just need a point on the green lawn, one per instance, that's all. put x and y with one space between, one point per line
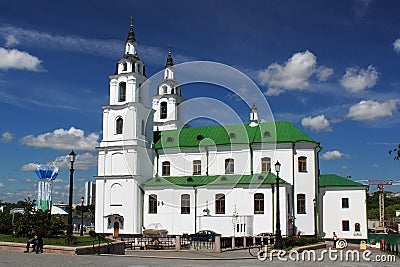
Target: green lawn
56 241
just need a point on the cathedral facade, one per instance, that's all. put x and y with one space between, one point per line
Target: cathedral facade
154 172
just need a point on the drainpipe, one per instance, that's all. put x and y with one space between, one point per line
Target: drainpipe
207 155
293 190
195 209
142 191
317 149
158 157
251 159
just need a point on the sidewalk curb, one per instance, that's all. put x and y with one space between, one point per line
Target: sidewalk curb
176 257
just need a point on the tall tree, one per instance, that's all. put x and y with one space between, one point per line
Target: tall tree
395 152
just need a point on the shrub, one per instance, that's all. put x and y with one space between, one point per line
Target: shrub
295 242
6 229
92 233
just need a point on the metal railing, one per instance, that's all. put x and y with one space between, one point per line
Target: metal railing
101 240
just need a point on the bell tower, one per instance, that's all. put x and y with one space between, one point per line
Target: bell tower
125 157
167 114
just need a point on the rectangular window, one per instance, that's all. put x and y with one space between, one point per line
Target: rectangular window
166 168
197 167
219 204
301 204
229 166
259 203
302 164
345 203
265 165
153 204
345 226
185 204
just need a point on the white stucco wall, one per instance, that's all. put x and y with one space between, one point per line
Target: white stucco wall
332 212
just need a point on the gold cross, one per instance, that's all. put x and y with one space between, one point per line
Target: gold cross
131 18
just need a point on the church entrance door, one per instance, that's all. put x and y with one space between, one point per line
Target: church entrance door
116 228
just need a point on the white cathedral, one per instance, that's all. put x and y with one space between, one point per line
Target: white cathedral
156 172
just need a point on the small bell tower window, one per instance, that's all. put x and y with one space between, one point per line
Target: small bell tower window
163 111
122 92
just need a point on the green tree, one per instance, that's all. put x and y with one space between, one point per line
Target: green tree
45 223
395 152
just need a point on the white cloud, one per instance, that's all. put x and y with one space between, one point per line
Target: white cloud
82 162
396 45
30 167
344 167
19 60
11 180
6 137
28 180
356 80
318 123
61 139
372 110
334 155
294 74
274 92
376 166
11 41
1 185
323 73
107 48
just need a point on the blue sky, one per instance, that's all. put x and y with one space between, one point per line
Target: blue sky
329 67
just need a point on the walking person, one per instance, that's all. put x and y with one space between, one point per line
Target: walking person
334 239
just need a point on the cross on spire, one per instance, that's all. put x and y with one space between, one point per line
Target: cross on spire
131 19
169 48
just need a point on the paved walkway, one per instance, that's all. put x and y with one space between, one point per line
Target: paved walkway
164 258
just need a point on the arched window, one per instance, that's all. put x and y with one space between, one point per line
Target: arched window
357 227
153 204
259 203
185 204
172 91
163 111
302 164
164 89
119 125
265 165
229 166
125 67
301 204
196 167
143 128
219 204
116 195
122 92
166 168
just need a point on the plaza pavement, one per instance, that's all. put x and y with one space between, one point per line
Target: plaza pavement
164 258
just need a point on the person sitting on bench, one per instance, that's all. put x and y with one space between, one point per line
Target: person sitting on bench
36 240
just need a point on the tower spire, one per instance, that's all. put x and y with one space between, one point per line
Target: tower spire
253 116
170 62
131 36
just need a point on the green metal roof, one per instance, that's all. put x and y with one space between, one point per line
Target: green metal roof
268 132
200 180
333 180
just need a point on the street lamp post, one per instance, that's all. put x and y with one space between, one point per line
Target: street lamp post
82 217
278 235
72 157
